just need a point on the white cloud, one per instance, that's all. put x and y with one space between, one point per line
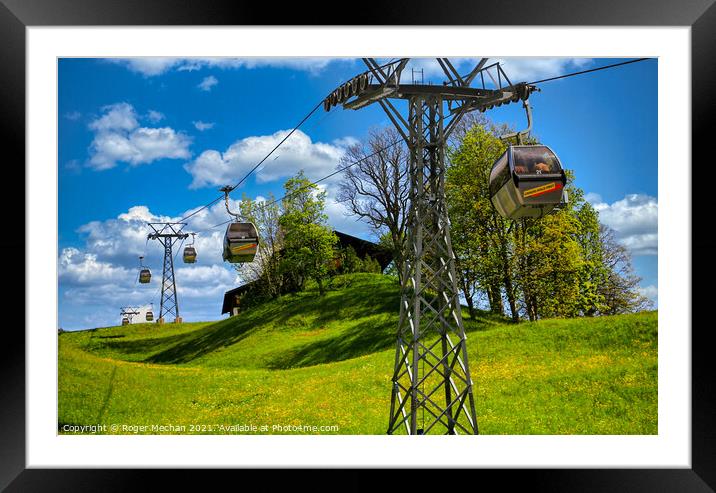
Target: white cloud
593 198
341 220
153 66
634 219
309 64
651 292
155 116
213 167
347 141
207 83
73 115
529 69
118 116
201 126
148 66
119 138
518 69
98 278
83 269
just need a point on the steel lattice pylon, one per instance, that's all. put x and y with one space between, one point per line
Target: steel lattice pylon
167 234
431 383
431 377
168 303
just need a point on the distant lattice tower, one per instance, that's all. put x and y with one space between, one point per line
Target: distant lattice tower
168 234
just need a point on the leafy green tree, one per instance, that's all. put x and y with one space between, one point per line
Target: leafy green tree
594 271
479 235
550 261
562 265
370 265
350 262
307 239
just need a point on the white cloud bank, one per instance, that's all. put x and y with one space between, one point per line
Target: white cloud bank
118 137
634 219
98 278
518 69
154 66
216 168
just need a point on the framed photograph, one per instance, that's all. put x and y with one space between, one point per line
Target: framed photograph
229 223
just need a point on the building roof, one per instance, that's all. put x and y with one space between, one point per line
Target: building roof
364 247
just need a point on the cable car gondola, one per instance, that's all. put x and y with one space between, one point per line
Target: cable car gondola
150 314
125 321
241 240
527 180
144 274
190 252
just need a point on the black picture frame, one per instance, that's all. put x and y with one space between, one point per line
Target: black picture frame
16 15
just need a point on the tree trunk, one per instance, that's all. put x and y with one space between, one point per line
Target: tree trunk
495 297
321 289
470 305
510 292
532 308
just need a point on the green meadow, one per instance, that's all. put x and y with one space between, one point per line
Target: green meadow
327 361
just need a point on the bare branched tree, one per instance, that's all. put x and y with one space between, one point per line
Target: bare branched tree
621 286
376 188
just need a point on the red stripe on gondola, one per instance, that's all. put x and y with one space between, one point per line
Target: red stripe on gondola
557 186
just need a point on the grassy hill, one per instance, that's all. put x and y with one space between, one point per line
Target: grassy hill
310 360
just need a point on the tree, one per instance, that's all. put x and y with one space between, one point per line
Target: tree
265 269
308 241
480 235
549 264
594 272
563 265
376 188
620 287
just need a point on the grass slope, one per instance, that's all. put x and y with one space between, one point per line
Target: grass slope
310 360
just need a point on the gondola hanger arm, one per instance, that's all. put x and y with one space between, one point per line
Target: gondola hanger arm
227 189
526 132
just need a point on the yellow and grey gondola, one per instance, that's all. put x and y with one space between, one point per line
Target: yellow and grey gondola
527 181
189 255
241 242
144 274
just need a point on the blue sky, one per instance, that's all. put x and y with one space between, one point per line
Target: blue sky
144 139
